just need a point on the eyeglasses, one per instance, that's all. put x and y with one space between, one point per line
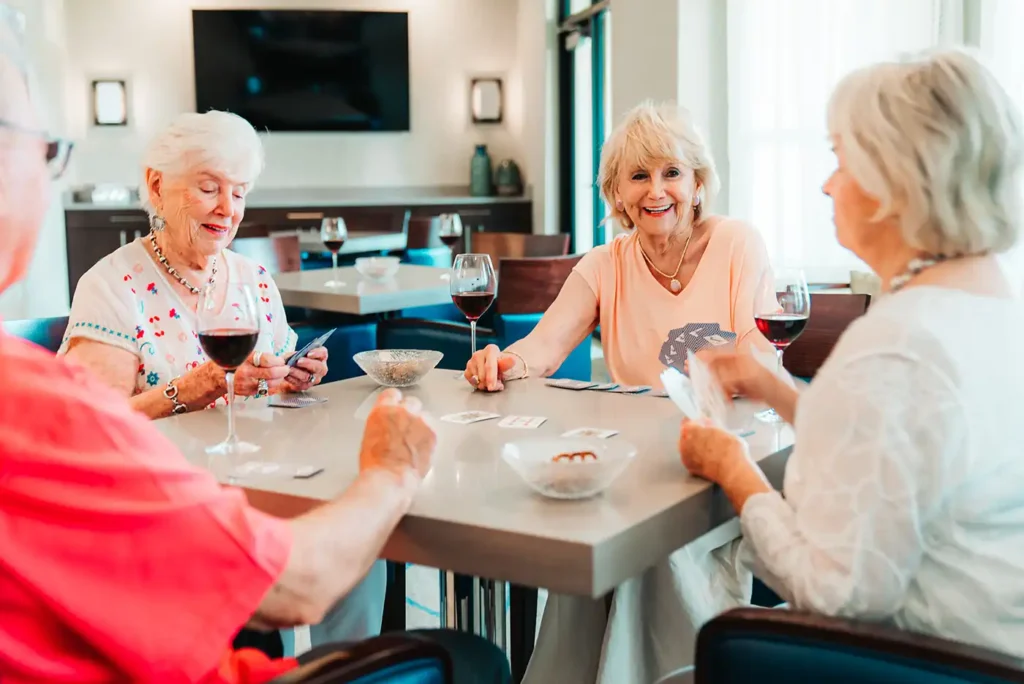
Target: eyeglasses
58 150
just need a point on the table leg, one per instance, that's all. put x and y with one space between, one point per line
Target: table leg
523 609
470 604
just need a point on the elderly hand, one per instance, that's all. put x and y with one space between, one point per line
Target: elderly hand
397 438
710 452
487 368
247 376
308 371
740 374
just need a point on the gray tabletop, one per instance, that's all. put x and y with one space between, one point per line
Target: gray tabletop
411 286
473 514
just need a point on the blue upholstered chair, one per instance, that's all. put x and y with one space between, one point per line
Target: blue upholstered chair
387 659
758 646
48 333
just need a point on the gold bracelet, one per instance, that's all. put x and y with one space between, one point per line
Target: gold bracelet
526 367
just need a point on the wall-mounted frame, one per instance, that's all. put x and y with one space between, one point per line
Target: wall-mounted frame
109 102
486 100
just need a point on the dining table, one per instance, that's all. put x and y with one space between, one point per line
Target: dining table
411 286
473 514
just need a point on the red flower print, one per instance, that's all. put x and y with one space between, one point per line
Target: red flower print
142 369
260 270
173 313
151 288
133 290
139 332
265 300
127 277
270 318
263 286
158 333
154 318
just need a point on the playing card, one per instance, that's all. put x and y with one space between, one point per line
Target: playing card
693 337
630 389
591 432
659 393
466 417
680 390
294 400
709 395
306 472
522 422
254 469
604 386
566 383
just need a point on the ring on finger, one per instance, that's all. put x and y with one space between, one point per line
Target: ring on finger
256 358
312 378
262 388
473 380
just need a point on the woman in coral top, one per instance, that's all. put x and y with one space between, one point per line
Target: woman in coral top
676 263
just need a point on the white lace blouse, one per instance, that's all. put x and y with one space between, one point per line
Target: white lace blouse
904 495
126 300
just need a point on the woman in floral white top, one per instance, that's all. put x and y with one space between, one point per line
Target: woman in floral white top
133 319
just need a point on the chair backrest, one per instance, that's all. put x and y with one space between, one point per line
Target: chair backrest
401 658
756 645
530 285
518 245
831 314
276 253
48 333
424 232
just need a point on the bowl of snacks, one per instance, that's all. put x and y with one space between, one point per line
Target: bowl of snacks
568 467
397 367
378 268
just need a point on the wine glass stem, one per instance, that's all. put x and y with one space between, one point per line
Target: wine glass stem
334 266
472 337
230 378
778 356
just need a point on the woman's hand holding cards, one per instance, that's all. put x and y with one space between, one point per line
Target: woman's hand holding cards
488 367
742 374
397 437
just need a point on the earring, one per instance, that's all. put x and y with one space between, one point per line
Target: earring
157 223
696 200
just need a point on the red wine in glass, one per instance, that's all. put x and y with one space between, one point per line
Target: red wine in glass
228 347
473 304
781 329
334 246
449 240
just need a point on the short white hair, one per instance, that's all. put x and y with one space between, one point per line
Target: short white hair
218 141
937 141
651 134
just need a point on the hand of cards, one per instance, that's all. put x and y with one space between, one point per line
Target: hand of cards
700 396
691 338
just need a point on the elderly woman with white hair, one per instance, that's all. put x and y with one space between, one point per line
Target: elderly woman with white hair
676 263
133 319
902 498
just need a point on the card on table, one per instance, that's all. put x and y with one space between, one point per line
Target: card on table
467 417
522 422
252 469
566 383
591 432
604 386
630 389
295 400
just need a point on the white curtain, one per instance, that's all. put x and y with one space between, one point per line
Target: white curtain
784 58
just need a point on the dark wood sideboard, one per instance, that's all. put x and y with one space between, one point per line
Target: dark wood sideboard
92 233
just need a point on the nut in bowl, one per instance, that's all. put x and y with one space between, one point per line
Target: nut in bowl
568 468
377 268
397 367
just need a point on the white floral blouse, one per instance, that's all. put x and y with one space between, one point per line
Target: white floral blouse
126 301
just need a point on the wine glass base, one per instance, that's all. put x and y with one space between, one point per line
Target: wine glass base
768 416
231 448
334 283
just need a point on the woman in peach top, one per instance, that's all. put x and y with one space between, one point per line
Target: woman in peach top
676 264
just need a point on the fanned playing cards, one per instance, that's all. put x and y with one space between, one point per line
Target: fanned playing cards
693 337
698 396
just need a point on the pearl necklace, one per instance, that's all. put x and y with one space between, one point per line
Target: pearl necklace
673 283
914 267
173 271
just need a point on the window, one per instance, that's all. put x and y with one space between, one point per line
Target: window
584 110
784 58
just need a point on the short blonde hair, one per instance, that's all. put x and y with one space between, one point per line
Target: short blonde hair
651 134
937 141
216 140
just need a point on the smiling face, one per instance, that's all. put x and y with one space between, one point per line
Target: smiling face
658 196
203 209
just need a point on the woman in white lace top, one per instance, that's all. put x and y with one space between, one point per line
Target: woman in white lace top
903 499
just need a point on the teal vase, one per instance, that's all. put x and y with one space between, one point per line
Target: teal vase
480 181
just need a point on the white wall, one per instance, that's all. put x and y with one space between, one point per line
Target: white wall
149 43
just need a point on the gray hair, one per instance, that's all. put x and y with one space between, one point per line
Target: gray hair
219 141
937 141
651 134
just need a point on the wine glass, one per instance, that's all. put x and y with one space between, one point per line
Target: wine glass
473 286
449 230
228 327
333 233
781 311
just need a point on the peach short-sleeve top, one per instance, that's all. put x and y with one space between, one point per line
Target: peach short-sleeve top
636 313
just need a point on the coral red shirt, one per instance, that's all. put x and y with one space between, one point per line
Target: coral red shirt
119 561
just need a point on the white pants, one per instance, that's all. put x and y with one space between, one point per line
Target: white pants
652 627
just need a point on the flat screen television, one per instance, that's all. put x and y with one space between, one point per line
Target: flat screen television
292 70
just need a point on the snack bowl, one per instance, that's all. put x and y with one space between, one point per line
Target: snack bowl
378 268
568 467
397 367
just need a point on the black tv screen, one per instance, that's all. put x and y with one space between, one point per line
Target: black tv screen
287 70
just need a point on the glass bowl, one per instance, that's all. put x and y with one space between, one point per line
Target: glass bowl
568 467
377 268
397 367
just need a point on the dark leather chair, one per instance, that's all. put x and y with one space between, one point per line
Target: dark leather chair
757 646
48 333
387 659
831 314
